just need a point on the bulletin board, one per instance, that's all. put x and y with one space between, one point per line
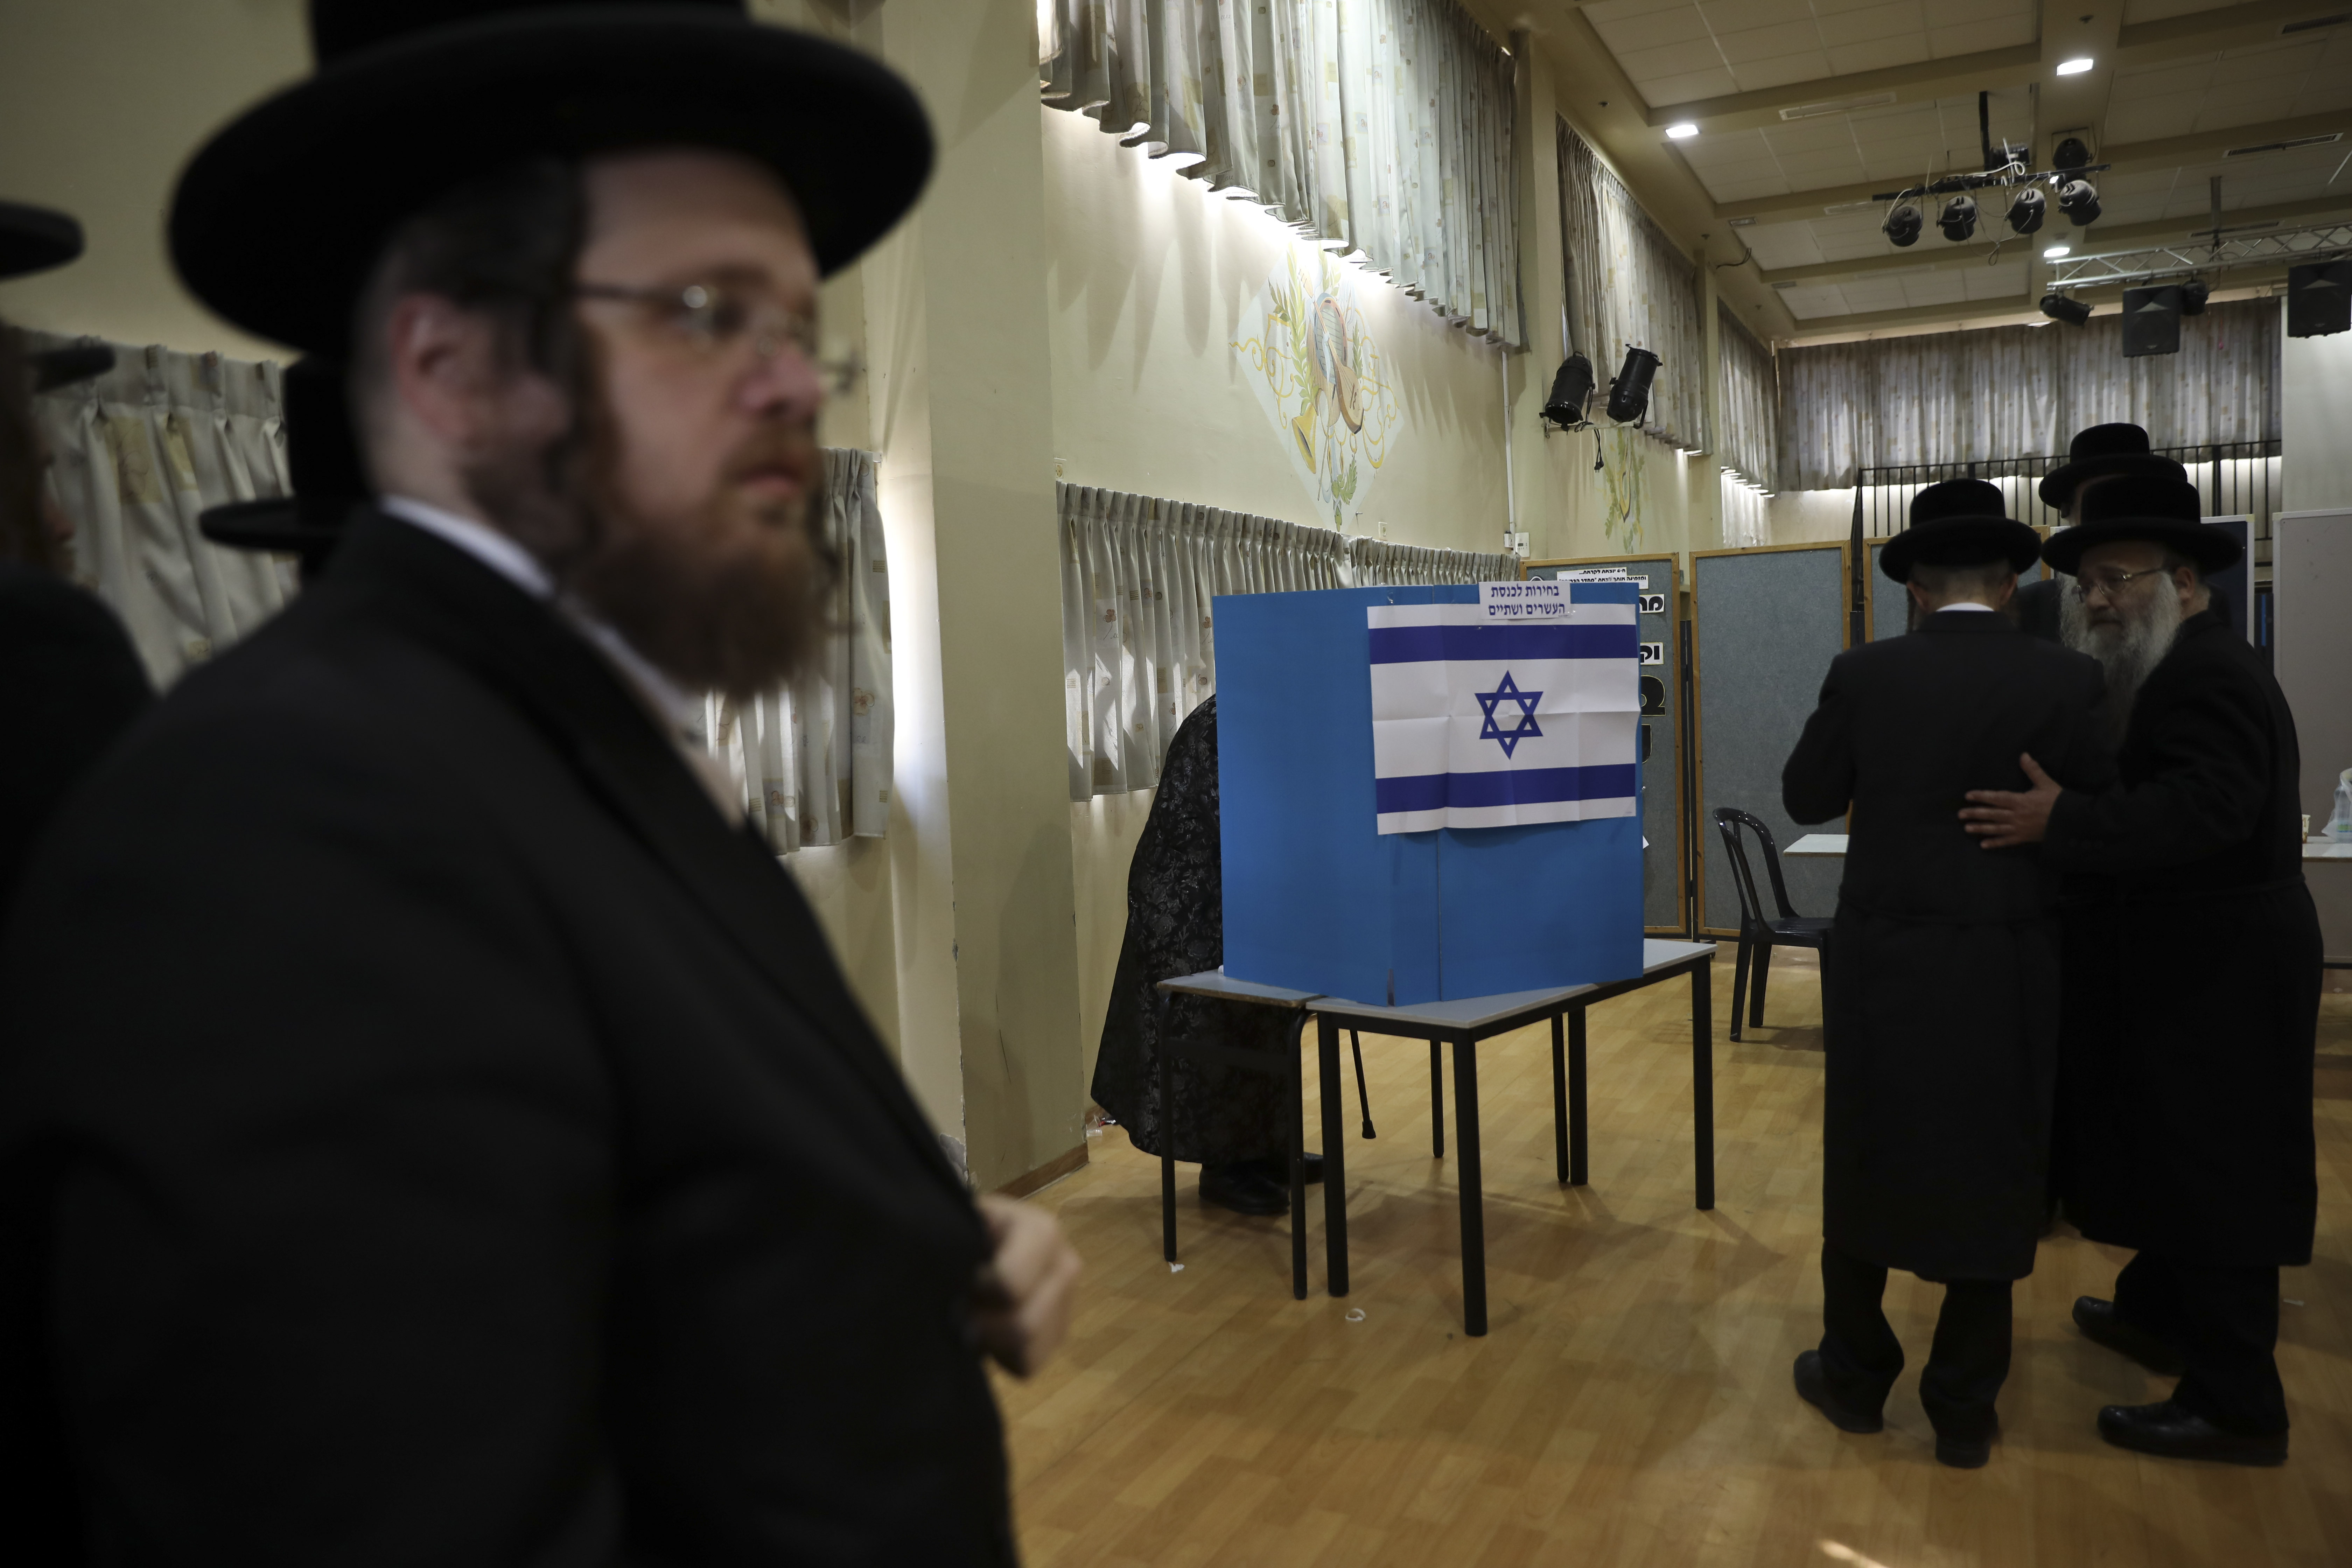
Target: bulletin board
1764 624
1665 865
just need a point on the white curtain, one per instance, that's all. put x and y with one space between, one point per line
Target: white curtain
137 454
1629 283
2023 392
814 758
1138 651
1379 126
1749 442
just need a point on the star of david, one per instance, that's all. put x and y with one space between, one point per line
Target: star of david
1524 725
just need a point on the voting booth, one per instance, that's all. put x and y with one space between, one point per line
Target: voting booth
1431 793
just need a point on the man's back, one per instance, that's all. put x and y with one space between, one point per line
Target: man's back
1907 726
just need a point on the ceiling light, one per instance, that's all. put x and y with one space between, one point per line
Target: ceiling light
2059 308
2073 66
2054 252
2079 200
1629 394
2026 211
1902 224
1958 218
2193 295
1682 132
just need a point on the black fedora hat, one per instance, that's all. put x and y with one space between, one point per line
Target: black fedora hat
34 239
322 458
1960 522
2105 449
412 98
2144 507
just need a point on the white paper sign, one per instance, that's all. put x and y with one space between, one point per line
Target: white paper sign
1534 602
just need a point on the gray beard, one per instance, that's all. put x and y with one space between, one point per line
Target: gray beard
2130 652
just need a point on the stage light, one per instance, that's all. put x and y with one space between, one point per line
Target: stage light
1682 132
1571 389
2079 201
2193 295
2059 308
2073 66
1629 394
2052 253
1958 219
1902 224
2026 213
2070 154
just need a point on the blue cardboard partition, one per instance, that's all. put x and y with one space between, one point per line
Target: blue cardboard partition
1317 898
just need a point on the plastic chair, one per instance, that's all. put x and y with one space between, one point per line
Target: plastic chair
1760 933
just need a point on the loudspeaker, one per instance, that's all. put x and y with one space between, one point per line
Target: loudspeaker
2151 322
2319 299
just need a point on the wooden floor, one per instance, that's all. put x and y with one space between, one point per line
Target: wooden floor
1632 1402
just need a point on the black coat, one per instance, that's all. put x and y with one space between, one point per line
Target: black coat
1940 1006
433 1135
2193 973
2036 605
70 683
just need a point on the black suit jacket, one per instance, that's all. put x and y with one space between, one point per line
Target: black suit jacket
432 1135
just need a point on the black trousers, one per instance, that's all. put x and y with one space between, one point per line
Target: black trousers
1966 1367
2224 1322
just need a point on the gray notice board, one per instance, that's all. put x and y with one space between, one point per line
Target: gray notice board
1662 698
1765 624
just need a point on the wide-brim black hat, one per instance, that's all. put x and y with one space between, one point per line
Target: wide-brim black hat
2142 507
400 113
322 459
2105 449
1960 522
34 239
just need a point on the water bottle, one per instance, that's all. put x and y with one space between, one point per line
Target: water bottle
2339 821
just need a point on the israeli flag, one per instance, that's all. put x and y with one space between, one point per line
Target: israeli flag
1522 708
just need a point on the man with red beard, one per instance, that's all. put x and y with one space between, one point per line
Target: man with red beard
432 1127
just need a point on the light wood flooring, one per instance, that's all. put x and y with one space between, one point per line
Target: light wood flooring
1632 1402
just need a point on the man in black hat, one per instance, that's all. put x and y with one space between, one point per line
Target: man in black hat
2192 968
2045 608
482 1158
1941 977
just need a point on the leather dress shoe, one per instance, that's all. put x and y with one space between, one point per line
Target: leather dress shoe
2167 1430
1964 1454
1813 1388
1244 1187
2098 1321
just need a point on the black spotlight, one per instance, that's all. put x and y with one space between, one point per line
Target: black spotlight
2059 308
2070 154
1958 218
2079 202
2193 295
1629 394
2025 213
1904 223
1571 389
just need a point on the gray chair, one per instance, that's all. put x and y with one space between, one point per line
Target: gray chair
1760 932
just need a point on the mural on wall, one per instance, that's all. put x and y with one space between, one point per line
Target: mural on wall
1321 378
1624 486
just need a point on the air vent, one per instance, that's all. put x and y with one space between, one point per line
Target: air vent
2313 24
1743 223
2284 146
1836 106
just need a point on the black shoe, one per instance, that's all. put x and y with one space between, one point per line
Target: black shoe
1813 1388
2098 1321
1244 1188
1965 1454
2177 1434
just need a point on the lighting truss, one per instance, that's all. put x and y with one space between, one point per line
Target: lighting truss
2320 242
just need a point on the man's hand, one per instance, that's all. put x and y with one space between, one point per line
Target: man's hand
2003 817
1022 1298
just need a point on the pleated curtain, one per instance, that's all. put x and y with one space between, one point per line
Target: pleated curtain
1628 284
1750 441
2023 392
136 455
815 757
1138 648
1379 126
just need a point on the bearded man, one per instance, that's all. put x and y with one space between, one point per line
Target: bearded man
2191 982
433 1128
2047 608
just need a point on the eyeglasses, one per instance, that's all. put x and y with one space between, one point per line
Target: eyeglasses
2113 582
715 321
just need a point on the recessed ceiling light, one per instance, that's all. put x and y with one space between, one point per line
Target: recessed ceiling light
2073 67
2055 251
1683 131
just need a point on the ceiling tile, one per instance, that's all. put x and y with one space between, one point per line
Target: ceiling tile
1741 170
1809 135
1952 13
1823 166
1624 35
1672 90
1738 16
1780 245
1768 43
2138 11
2324 91
1611 10
1757 74
1972 36
1877 54
2125 126
1876 21
1812 302
1670 59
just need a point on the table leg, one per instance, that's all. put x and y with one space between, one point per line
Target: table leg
1167 1132
1297 1164
1335 1159
1703 1079
1436 1104
1578 1146
1363 1095
1558 1104
1473 1212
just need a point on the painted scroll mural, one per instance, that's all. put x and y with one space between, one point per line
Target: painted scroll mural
1322 380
